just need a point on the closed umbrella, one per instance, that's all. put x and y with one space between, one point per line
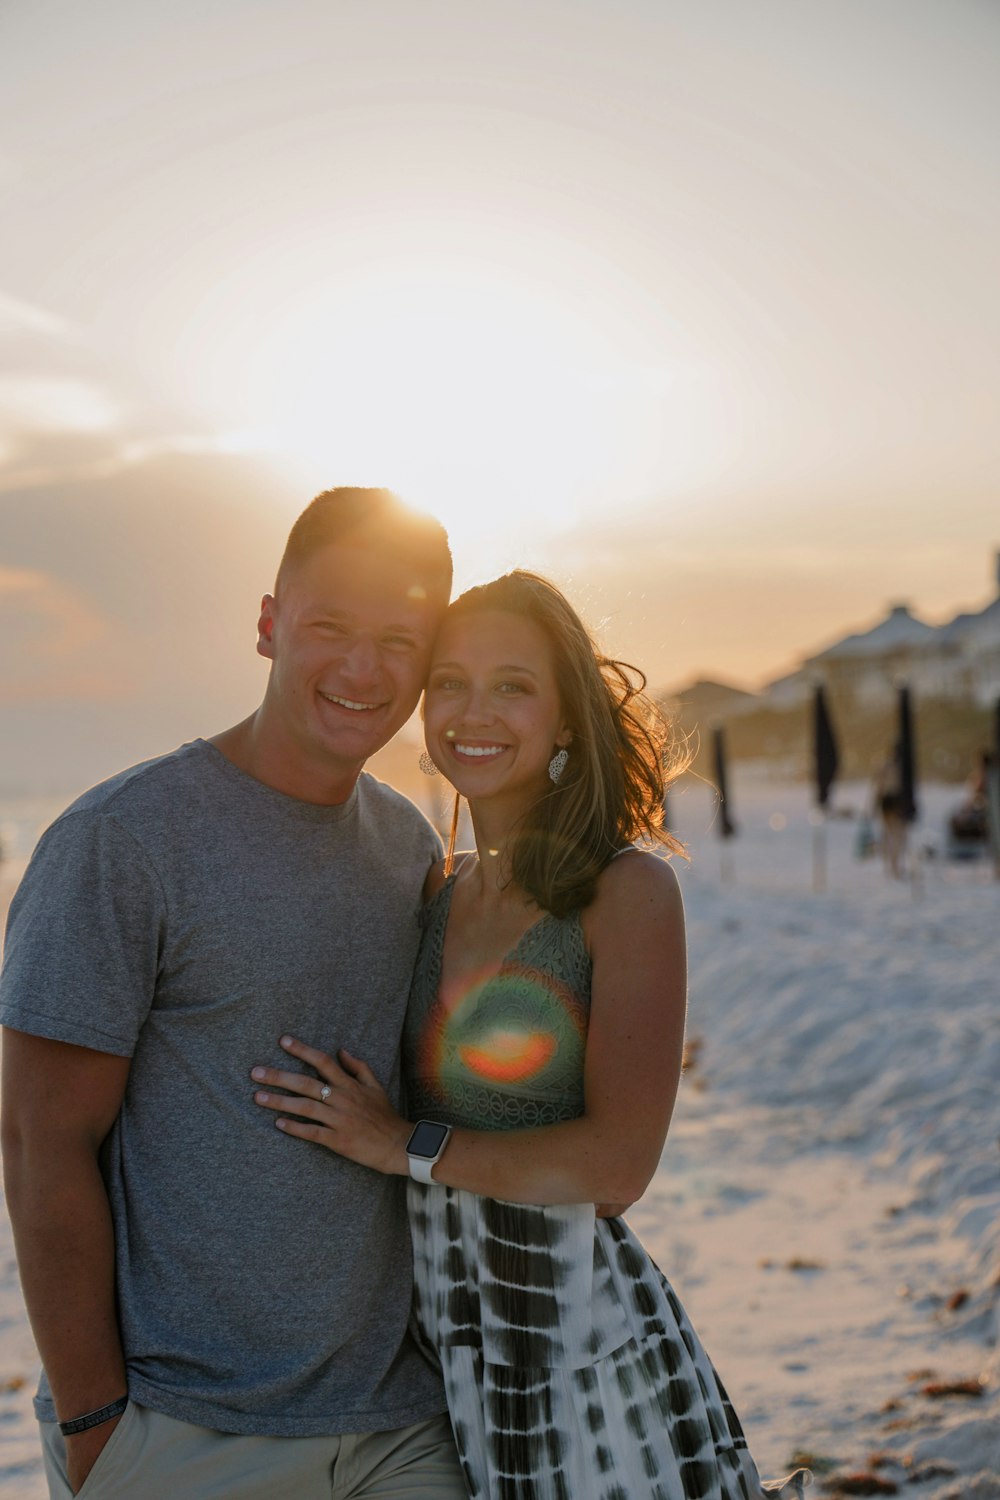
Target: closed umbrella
724 823
825 763
907 756
826 759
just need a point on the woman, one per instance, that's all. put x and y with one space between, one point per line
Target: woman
543 1049
891 806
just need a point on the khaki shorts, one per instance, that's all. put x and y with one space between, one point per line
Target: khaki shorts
153 1457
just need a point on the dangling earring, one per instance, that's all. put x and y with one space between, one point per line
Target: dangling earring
557 764
426 764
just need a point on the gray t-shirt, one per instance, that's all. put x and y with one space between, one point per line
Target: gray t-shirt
186 915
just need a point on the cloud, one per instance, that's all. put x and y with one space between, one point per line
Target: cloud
129 601
52 636
47 404
67 417
60 411
23 317
35 460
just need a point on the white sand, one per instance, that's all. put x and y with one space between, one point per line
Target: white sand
841 1113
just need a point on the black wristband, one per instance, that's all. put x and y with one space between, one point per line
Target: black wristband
94 1418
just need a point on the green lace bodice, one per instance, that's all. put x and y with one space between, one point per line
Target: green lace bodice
510 1052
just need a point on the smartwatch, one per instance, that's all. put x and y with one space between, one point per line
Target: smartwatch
424 1148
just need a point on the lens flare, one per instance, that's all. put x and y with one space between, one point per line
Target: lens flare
509 1056
519 1030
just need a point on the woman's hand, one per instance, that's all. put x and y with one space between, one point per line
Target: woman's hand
346 1109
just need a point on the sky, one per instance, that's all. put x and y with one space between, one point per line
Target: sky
692 306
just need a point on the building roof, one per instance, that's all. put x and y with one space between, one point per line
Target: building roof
980 623
899 631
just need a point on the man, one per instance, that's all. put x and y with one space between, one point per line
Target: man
173 923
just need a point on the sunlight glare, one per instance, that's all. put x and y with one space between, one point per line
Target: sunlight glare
495 408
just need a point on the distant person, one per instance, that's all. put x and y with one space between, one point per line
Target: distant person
542 1055
978 781
968 823
891 811
213 1325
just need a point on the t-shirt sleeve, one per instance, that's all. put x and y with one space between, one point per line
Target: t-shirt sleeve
435 848
84 937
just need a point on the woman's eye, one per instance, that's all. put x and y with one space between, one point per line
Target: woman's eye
511 687
445 685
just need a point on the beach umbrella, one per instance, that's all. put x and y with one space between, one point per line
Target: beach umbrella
907 757
825 763
825 757
724 823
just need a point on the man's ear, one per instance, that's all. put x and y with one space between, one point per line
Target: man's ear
265 627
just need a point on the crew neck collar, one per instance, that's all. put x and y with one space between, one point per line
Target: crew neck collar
316 812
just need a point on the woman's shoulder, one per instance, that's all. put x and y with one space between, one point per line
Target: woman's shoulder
635 870
635 883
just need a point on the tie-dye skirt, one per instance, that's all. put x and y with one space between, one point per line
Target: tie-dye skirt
571 1370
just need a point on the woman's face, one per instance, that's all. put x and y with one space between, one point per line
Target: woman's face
492 715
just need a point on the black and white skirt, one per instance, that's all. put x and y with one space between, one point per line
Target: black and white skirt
571 1370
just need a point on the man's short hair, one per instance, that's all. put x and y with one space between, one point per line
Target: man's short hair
377 520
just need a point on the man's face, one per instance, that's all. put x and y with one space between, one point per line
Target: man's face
349 639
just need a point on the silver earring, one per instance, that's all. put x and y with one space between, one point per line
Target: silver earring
557 764
426 764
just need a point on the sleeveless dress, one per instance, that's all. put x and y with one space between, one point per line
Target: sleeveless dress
570 1368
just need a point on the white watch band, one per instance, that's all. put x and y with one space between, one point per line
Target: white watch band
420 1164
420 1168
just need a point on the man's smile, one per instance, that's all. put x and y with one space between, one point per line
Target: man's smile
349 703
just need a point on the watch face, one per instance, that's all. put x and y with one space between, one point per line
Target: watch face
427 1139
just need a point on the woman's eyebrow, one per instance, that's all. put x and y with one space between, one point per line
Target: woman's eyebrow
510 666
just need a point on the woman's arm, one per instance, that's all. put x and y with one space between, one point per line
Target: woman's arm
635 932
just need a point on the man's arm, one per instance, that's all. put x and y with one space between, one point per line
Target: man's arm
59 1102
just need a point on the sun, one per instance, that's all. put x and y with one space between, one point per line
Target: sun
479 399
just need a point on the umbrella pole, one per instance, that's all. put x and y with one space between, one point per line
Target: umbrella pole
819 854
916 875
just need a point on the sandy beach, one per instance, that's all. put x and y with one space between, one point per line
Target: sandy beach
827 1203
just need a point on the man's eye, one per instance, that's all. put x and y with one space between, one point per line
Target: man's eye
401 642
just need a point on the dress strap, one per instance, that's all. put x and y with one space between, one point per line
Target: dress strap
626 849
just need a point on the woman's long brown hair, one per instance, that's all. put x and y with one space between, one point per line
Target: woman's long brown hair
622 756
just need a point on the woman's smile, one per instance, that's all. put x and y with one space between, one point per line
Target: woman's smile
476 750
